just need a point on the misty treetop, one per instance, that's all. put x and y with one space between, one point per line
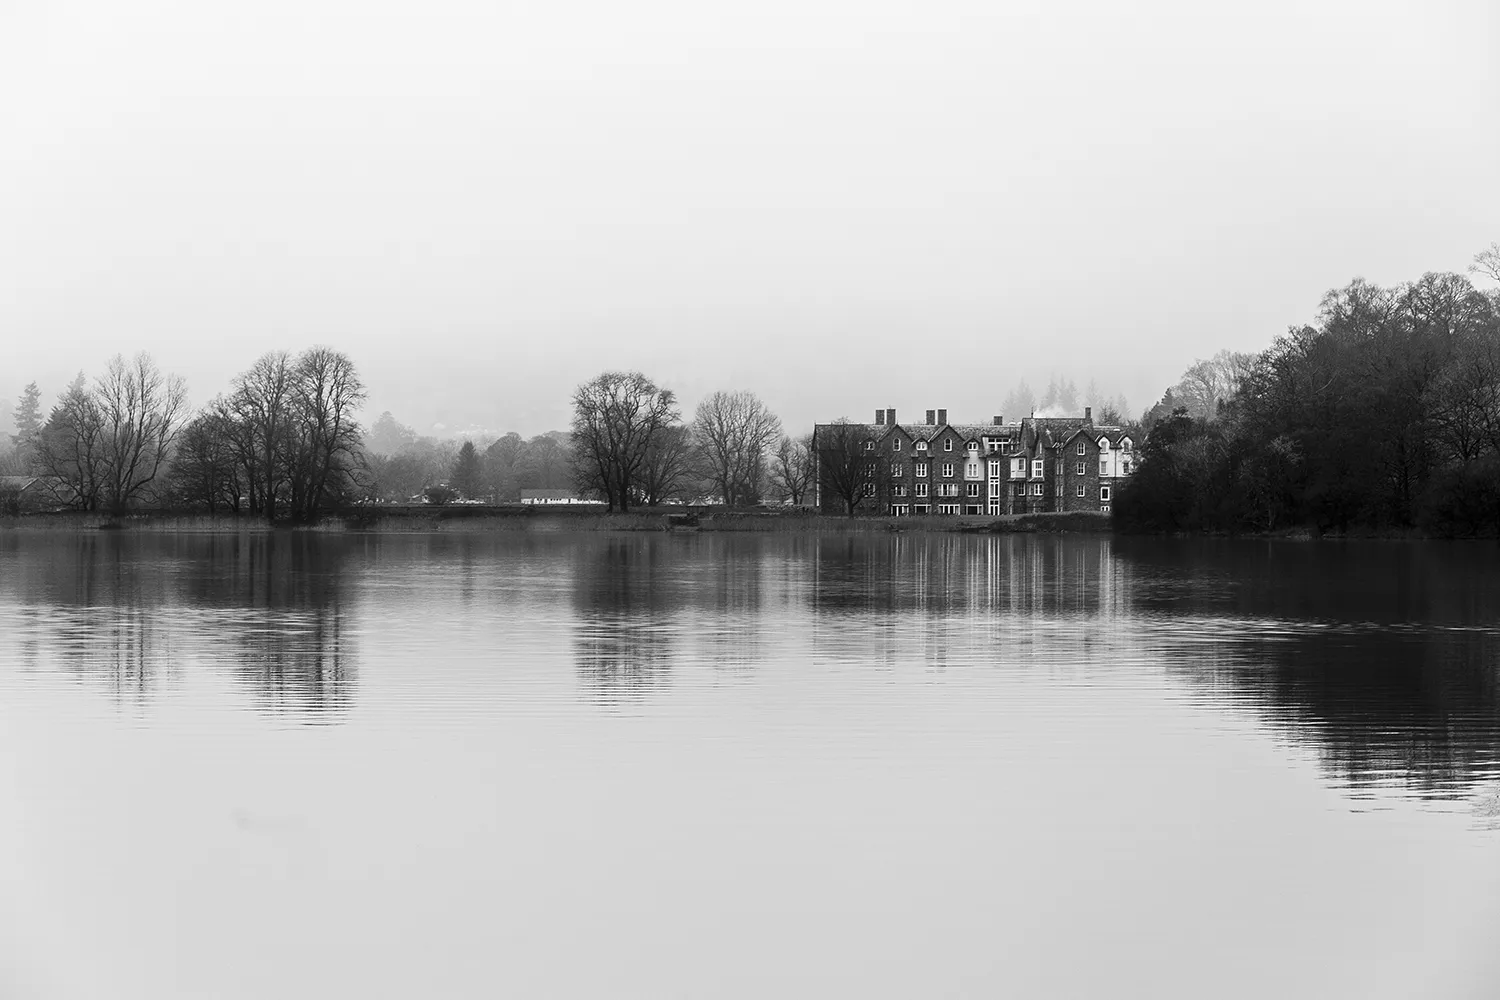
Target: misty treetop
1382 415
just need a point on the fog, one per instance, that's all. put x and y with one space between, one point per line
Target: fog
836 205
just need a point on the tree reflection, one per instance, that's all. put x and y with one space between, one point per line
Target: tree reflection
1382 658
626 605
140 610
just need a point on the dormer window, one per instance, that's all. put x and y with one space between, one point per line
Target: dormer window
1125 444
973 445
921 445
1104 444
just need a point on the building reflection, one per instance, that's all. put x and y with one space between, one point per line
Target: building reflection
139 611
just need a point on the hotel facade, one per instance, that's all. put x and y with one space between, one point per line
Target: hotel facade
1034 465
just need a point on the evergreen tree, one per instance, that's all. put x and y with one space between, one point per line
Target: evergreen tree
28 417
467 477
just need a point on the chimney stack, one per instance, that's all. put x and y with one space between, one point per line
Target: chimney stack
890 417
942 416
931 417
999 420
880 418
1088 414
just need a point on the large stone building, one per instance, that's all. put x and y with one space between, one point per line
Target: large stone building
1032 465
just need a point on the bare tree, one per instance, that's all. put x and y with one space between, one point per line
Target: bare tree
1487 262
325 438
668 466
260 403
735 434
140 412
792 467
205 467
616 417
1210 382
70 448
846 462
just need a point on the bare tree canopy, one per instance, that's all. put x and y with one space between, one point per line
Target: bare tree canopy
735 433
846 466
104 445
1487 262
616 418
792 467
668 469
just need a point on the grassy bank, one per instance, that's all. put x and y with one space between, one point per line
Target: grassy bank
530 519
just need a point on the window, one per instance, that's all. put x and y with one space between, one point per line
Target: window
897 470
1125 445
947 444
921 470
1103 467
1083 469
950 508
869 490
1018 468
995 510
947 489
899 509
1080 448
869 445
895 444
921 446
1080 489
1036 489
1036 469
1104 444
971 490
994 489
1104 508
1104 493
991 446
994 470
1057 467
1020 489
947 470
920 508
921 489
973 446
898 491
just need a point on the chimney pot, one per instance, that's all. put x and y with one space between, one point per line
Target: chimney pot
880 417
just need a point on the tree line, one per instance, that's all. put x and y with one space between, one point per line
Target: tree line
1382 415
282 444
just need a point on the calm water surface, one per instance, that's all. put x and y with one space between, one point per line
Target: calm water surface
512 765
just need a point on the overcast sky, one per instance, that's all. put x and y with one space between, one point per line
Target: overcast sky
836 205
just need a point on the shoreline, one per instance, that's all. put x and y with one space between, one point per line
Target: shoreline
403 520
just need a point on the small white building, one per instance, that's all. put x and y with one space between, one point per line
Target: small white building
555 497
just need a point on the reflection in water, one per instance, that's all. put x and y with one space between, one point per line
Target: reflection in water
139 609
624 606
1382 657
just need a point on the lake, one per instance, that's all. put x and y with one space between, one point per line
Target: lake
746 765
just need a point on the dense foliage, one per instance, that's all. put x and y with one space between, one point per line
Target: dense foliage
1383 416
